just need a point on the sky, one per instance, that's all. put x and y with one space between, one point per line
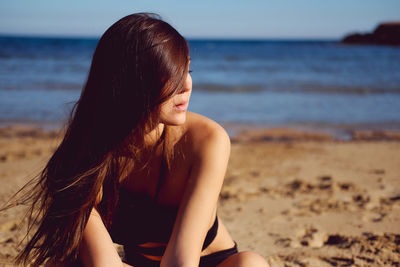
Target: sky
221 19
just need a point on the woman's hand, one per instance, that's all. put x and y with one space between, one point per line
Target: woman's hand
211 149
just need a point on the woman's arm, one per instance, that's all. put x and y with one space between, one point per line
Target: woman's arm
97 248
196 212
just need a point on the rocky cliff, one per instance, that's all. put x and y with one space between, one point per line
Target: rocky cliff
385 34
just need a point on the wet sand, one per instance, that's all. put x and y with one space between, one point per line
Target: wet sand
297 198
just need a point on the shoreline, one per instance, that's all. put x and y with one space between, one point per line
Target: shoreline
328 131
238 132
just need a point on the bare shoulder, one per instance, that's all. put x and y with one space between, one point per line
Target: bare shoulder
205 134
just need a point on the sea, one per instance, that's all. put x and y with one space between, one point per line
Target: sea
318 84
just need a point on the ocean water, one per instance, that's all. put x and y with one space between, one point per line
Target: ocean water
267 83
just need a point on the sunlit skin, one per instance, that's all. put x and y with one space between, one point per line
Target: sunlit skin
173 111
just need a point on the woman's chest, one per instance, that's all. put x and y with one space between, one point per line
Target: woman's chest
148 203
162 182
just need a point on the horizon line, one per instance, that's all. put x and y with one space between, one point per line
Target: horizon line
190 38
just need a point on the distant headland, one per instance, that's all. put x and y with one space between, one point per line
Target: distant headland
387 33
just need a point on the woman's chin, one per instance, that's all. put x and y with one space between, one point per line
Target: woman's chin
175 120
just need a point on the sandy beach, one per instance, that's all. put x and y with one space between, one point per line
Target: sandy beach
297 198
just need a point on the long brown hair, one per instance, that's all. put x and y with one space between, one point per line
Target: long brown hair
139 62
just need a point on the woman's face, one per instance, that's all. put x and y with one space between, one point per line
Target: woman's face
173 111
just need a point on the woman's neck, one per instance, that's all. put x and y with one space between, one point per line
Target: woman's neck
152 137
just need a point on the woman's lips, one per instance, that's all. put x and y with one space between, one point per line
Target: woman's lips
182 106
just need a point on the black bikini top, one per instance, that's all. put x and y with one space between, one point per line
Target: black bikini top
138 219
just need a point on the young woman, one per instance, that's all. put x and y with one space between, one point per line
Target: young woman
134 166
